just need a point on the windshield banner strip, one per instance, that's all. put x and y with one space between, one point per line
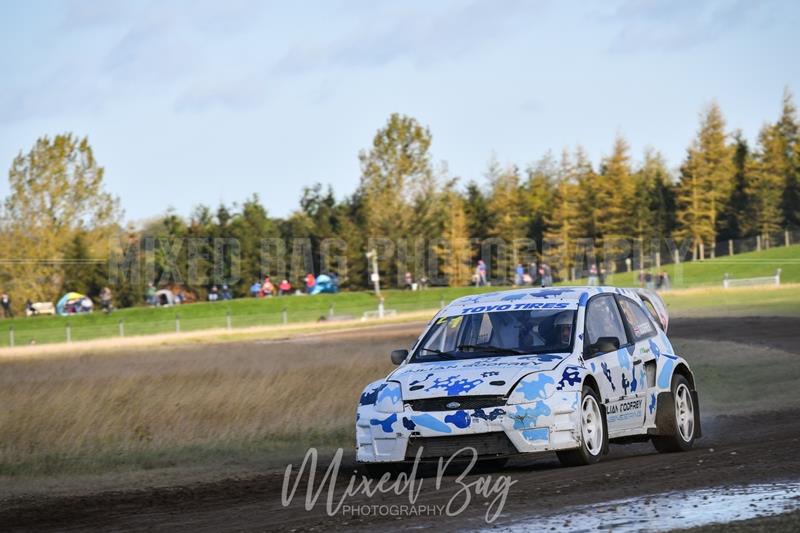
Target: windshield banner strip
493 308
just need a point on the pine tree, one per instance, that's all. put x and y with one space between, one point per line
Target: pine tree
788 127
706 183
455 252
614 194
769 171
562 228
587 180
538 195
508 215
652 210
739 215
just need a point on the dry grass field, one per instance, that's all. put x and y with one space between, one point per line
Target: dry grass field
159 407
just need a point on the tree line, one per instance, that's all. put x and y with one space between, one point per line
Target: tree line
58 220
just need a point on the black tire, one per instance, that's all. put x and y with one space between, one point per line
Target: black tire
682 425
591 448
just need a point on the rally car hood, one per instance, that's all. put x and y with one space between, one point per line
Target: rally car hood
469 377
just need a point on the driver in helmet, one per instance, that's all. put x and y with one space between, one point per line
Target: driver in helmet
560 333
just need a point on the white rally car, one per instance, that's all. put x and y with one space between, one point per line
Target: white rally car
533 370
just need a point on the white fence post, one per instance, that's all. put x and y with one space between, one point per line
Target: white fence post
285 316
758 243
69 332
380 308
730 246
121 328
778 277
11 336
177 323
330 311
725 281
228 323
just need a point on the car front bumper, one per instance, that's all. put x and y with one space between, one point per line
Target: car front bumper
538 426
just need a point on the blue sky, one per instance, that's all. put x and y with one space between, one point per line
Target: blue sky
207 102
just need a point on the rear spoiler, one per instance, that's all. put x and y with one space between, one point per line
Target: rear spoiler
652 297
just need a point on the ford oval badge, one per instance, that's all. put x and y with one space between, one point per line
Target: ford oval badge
453 405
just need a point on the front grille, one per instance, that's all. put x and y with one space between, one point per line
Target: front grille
491 444
465 402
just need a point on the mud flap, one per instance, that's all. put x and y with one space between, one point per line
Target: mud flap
605 428
665 415
698 432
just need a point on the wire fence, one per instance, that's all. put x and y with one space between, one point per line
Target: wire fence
173 321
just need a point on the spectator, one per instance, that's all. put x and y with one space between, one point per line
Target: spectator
480 274
602 276
255 289
29 309
311 281
546 275
592 275
532 273
665 282
105 300
648 280
519 274
150 295
267 288
409 281
226 293
5 301
213 294
284 287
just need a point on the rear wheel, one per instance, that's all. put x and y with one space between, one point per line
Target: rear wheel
682 434
594 432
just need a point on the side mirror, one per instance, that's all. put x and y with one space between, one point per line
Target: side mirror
604 345
398 356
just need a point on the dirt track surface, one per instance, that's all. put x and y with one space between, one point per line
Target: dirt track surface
742 447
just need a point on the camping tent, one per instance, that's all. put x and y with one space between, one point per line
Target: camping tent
74 302
325 284
165 297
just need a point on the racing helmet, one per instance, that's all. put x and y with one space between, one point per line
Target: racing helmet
562 328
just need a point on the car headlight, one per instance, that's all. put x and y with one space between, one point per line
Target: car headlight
390 399
533 387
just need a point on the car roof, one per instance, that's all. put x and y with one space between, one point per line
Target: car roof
570 294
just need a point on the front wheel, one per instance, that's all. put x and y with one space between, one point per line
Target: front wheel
683 431
594 433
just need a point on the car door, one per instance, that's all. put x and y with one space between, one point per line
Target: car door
642 331
611 369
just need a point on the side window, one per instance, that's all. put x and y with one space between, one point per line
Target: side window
638 322
653 313
603 320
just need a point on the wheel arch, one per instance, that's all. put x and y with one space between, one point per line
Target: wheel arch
682 369
589 380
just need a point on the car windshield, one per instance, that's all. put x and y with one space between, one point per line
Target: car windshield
497 334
